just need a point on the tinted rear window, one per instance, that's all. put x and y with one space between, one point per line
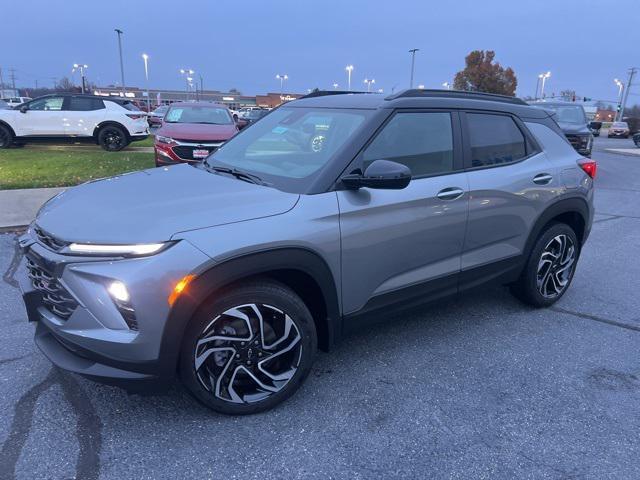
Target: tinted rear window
495 140
83 104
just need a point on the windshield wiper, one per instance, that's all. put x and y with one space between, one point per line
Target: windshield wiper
239 174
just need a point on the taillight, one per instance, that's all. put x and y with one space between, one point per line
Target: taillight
134 116
590 167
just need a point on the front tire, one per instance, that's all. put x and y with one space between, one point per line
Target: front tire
6 137
249 348
112 138
550 268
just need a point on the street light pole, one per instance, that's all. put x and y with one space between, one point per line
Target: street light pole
145 57
187 72
335 86
632 72
349 69
620 89
282 77
369 82
544 77
119 33
413 61
535 97
447 85
80 67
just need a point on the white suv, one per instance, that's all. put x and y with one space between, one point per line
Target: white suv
112 123
15 101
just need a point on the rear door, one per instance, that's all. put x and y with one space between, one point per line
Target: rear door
44 117
510 183
401 245
82 115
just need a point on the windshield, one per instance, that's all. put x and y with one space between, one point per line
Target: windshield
567 113
198 114
161 110
620 125
290 146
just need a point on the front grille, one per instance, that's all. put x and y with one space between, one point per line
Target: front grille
54 296
185 152
48 240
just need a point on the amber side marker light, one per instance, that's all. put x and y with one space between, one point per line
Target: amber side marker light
179 288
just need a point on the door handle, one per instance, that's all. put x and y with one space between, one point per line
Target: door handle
542 179
450 193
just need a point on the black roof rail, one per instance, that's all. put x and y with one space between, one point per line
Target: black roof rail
324 93
494 97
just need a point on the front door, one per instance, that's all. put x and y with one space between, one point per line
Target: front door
402 245
43 117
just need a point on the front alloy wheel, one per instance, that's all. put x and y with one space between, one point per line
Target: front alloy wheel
249 348
248 353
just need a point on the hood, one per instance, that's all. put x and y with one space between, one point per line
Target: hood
574 128
152 205
197 131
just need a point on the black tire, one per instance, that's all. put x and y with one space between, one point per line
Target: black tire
6 137
112 138
265 294
528 287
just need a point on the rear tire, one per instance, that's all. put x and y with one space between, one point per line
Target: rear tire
112 138
264 346
6 137
550 268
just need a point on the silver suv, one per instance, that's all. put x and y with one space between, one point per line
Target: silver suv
331 211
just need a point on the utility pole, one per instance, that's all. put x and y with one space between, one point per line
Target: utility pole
632 72
12 72
119 33
413 62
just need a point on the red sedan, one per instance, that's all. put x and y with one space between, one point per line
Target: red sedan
190 132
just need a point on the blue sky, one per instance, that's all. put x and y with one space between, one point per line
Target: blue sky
244 44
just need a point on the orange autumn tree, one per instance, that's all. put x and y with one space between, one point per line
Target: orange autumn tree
482 74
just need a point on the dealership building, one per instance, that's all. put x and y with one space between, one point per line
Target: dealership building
233 100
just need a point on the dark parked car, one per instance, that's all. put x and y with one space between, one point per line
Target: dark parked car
155 118
253 116
232 272
636 139
619 130
573 122
190 132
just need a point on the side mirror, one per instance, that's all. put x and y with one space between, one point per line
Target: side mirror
383 174
23 109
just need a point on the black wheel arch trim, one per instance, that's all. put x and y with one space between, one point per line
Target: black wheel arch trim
112 123
565 205
216 276
5 124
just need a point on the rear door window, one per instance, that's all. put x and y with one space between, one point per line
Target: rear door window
494 140
84 104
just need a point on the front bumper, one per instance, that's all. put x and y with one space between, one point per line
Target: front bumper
95 340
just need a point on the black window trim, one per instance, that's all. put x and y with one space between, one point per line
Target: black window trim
458 161
532 147
67 103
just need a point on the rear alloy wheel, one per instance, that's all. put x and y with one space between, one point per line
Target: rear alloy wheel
550 268
6 137
249 350
112 138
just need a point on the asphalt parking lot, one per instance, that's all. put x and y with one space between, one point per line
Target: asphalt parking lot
479 387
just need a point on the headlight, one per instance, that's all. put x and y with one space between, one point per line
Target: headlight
167 140
127 250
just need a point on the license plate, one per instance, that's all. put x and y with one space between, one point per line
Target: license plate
200 153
